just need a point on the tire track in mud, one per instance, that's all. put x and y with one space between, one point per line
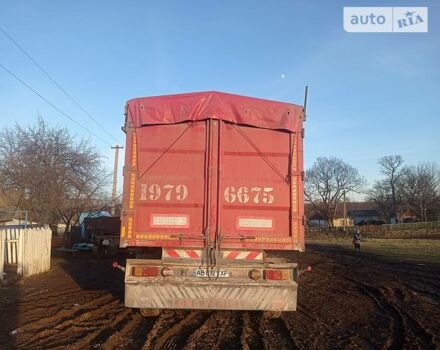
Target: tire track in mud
202 332
41 309
177 334
56 295
229 329
29 299
140 334
132 334
275 334
54 300
430 296
166 320
405 330
306 327
106 328
50 325
419 335
82 335
221 330
396 338
250 337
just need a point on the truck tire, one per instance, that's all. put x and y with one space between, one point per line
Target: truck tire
150 312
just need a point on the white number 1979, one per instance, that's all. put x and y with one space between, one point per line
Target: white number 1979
169 192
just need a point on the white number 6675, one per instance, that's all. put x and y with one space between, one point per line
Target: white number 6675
244 195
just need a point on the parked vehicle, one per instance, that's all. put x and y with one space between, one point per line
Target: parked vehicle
213 185
103 232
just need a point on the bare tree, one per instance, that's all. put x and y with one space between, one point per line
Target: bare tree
422 188
8 198
327 181
391 167
53 172
379 194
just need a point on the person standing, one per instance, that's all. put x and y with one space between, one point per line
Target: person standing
357 240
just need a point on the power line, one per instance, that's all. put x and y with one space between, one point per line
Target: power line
51 104
56 83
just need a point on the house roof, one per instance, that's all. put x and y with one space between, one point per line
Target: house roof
365 212
350 206
407 214
316 216
8 214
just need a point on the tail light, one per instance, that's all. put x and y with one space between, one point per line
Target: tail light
151 271
255 274
277 275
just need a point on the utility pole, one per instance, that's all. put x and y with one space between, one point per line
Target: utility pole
306 90
115 177
345 214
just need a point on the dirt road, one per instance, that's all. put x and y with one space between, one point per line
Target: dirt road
347 301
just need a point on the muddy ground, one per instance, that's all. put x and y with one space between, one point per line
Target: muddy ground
347 301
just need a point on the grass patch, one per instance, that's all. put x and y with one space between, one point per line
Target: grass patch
426 250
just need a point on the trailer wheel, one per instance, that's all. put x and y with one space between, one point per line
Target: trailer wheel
150 312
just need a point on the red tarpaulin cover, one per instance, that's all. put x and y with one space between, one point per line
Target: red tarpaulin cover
172 109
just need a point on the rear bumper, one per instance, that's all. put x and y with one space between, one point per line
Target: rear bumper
211 294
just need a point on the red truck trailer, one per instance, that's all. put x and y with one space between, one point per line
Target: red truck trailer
213 191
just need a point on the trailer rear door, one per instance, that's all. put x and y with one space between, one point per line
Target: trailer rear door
166 183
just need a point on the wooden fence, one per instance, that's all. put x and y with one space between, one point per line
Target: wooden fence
2 252
30 249
430 225
412 226
11 245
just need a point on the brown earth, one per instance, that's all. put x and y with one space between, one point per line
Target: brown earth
347 301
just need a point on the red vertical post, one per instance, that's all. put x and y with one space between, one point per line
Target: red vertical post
214 178
129 184
301 218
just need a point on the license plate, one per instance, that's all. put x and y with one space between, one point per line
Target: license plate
214 273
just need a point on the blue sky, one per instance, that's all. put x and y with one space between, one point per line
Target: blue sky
370 94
